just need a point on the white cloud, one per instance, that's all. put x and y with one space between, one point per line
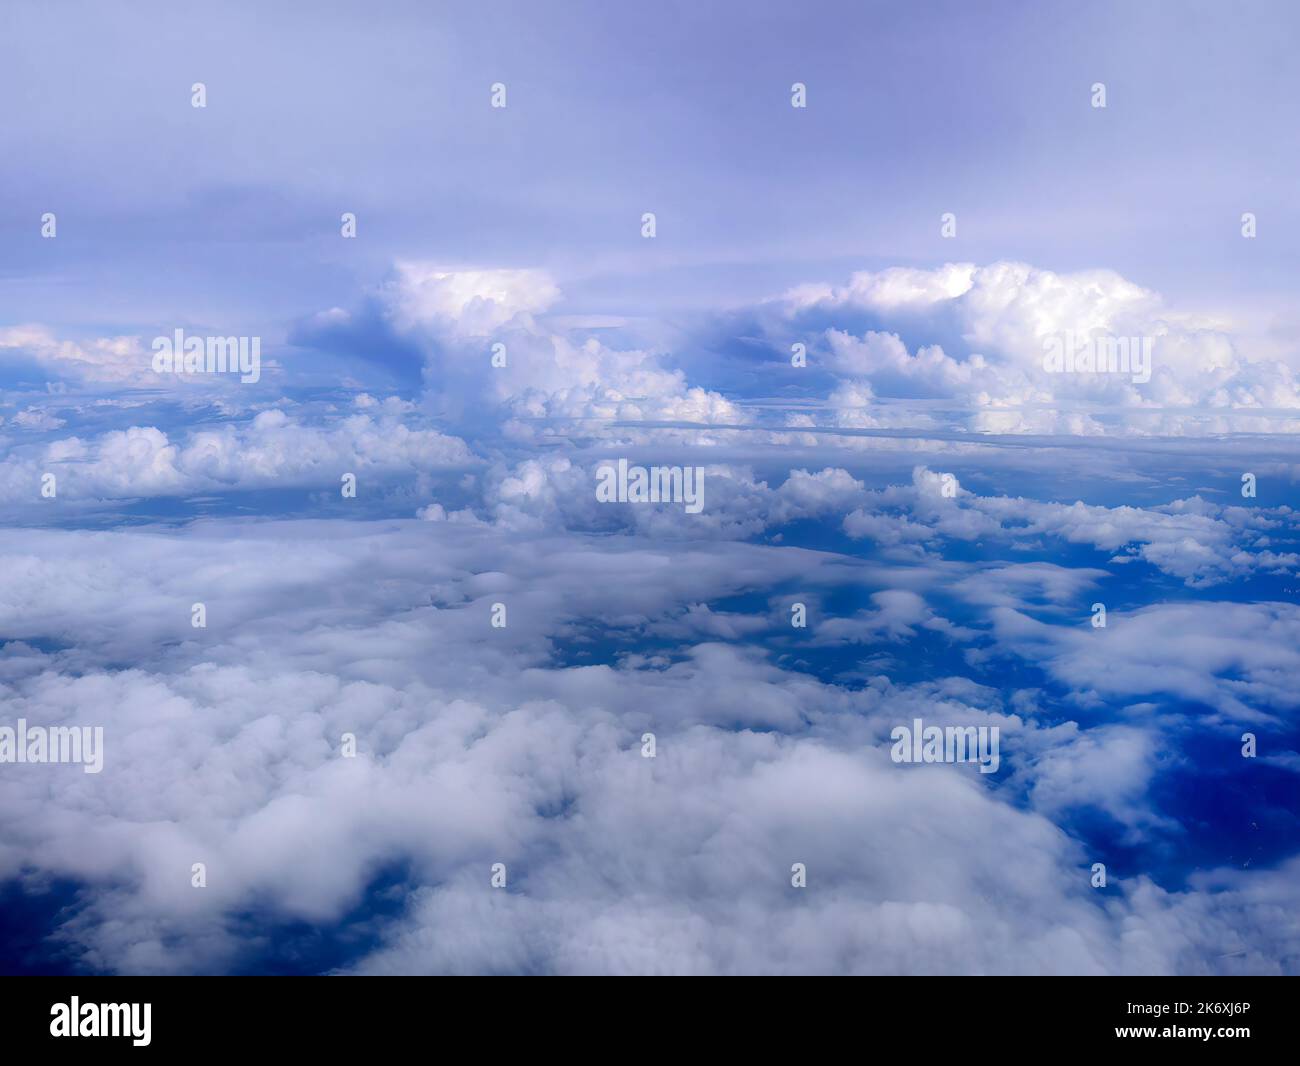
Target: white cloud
105 360
473 302
1200 542
271 449
1236 658
1004 314
476 746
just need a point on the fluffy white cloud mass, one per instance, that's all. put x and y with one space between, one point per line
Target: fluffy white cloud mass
479 745
918 524
1003 319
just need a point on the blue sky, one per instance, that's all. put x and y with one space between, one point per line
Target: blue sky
947 510
915 110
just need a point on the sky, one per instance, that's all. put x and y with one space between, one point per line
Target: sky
841 318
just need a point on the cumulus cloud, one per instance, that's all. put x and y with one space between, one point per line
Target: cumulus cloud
927 595
479 746
272 448
1200 542
468 302
460 321
986 330
121 360
1239 659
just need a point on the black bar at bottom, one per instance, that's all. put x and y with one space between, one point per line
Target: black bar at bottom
348 1015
